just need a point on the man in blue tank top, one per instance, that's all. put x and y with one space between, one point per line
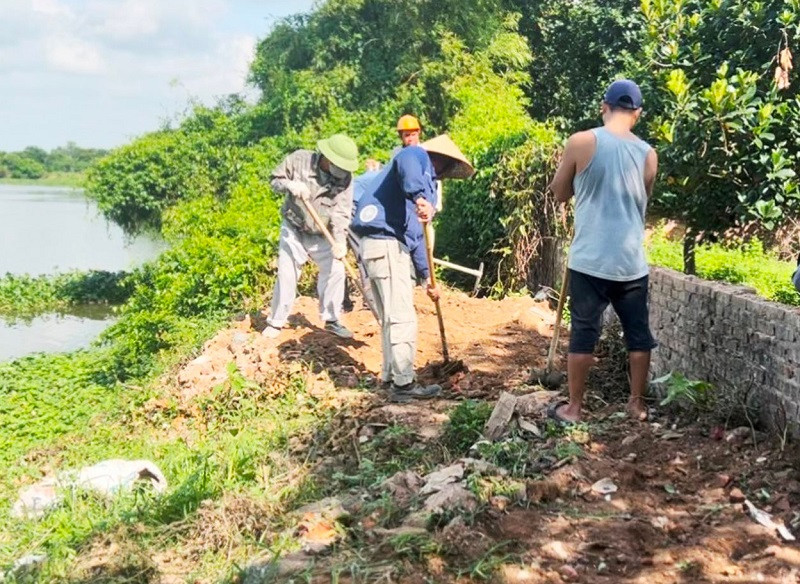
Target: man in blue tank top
611 173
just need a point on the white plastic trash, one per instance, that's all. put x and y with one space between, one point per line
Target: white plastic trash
105 478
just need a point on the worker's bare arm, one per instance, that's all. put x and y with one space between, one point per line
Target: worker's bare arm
650 171
577 153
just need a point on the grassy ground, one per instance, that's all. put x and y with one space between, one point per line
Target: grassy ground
234 449
297 419
53 179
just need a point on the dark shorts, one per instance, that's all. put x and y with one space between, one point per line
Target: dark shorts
589 297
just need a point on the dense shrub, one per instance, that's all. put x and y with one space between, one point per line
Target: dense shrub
221 258
746 263
136 183
14 165
28 295
503 216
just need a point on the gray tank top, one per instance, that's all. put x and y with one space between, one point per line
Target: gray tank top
610 204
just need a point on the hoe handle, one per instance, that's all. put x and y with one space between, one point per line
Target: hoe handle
559 311
324 230
429 251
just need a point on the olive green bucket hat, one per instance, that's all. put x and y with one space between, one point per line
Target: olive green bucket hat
341 151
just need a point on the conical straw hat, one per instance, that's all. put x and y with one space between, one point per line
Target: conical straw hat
443 145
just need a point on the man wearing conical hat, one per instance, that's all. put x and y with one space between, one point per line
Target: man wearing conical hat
387 218
323 178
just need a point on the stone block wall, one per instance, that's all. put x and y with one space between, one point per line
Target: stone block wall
729 336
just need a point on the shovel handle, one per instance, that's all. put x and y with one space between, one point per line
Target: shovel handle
551 353
324 230
440 318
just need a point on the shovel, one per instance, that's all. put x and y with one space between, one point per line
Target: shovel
547 377
448 367
351 271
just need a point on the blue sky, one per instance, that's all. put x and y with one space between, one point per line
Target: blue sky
101 72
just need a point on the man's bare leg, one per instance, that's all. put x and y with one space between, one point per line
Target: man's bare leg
639 362
578 365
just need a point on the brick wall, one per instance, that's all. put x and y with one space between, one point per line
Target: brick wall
729 336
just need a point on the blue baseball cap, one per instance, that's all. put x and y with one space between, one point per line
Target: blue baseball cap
623 93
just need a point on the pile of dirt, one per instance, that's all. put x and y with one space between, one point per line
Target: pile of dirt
499 341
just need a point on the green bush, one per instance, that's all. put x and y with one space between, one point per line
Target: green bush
503 215
746 263
16 165
221 258
27 295
465 426
136 183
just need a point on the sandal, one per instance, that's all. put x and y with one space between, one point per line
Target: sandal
552 413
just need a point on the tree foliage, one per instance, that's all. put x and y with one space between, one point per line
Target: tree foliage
34 162
358 54
577 49
726 134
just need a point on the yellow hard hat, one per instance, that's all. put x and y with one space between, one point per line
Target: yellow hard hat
408 123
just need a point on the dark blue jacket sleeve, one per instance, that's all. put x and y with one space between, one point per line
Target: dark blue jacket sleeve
419 257
415 174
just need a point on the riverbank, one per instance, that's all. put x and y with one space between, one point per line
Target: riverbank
53 179
252 432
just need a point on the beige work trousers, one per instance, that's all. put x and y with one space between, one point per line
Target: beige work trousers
388 266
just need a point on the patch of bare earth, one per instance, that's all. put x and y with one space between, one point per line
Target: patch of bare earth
676 515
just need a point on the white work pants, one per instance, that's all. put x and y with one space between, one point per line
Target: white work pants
295 249
388 266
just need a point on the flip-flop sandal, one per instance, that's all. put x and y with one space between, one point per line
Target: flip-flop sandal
552 413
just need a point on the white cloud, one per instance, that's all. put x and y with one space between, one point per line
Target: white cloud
110 64
125 20
51 8
73 55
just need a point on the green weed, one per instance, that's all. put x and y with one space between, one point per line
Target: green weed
687 393
396 448
414 546
485 487
568 450
512 454
485 566
465 425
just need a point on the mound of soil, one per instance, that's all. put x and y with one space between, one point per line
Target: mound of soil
498 341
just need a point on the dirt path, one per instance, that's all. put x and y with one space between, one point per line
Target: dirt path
676 514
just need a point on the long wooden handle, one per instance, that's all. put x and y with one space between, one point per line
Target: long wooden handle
348 268
429 252
559 311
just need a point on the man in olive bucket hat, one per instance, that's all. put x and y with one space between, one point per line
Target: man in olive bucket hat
325 179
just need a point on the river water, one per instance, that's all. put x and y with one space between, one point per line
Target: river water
45 230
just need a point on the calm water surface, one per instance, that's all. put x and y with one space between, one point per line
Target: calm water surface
44 230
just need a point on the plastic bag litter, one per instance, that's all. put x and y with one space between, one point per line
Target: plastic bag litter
105 478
